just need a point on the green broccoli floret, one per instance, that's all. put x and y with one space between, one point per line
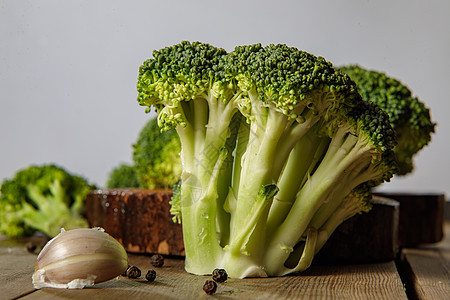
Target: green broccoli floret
123 176
409 117
156 161
175 203
42 198
277 149
156 157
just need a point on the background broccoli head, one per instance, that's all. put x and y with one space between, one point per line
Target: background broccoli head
409 117
156 160
42 198
123 176
156 156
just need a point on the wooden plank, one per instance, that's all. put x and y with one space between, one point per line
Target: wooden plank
16 268
370 281
428 269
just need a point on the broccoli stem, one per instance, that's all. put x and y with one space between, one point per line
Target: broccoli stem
291 137
243 136
337 165
350 206
224 184
257 164
303 158
259 208
243 255
203 173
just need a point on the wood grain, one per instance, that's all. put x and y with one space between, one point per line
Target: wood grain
429 269
378 281
16 268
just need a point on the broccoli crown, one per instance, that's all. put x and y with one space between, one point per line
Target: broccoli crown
45 198
176 74
123 176
373 124
288 78
409 117
156 157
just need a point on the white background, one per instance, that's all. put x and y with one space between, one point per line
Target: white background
68 69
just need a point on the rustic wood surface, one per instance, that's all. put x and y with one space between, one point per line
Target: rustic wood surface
428 266
16 266
378 281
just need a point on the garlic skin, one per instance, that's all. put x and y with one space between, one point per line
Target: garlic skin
79 258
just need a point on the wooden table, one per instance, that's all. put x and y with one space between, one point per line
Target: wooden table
418 274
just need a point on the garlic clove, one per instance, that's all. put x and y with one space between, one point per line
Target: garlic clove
79 258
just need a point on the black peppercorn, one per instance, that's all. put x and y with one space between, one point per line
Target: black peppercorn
157 260
124 274
133 272
219 275
31 247
210 287
151 275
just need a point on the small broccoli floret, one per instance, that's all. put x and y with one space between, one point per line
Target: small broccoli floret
409 117
156 157
42 198
175 203
123 176
276 147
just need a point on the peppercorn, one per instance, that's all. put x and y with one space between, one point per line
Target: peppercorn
157 260
31 247
124 274
133 272
219 275
151 275
210 287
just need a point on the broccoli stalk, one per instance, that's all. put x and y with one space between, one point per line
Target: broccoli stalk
276 147
42 198
351 160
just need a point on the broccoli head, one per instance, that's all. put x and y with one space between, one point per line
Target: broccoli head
277 149
123 176
42 198
156 157
409 117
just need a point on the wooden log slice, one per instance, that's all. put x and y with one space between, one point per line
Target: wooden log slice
140 219
365 238
421 218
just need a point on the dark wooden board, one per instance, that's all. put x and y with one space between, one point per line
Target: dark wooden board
365 238
421 217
